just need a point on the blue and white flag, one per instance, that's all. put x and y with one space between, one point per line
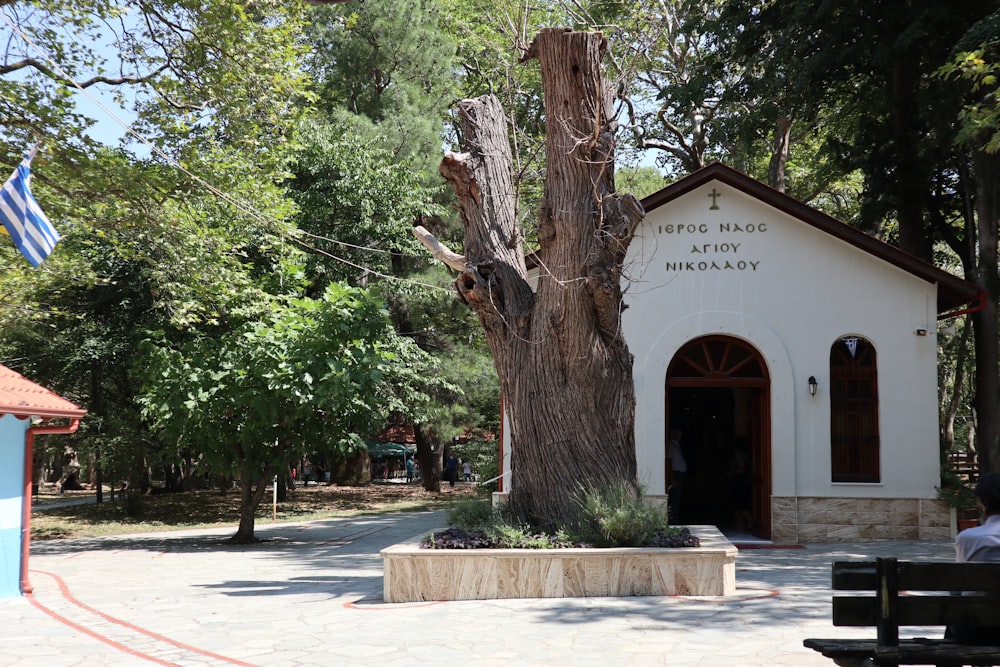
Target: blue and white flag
23 219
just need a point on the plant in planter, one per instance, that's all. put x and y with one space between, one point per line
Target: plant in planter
487 554
611 517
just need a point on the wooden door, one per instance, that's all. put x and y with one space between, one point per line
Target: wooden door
696 375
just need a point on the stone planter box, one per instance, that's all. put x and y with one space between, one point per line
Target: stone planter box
413 574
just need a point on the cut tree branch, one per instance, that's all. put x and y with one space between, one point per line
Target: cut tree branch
441 252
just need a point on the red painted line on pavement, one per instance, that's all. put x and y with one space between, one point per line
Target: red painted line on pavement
391 605
91 633
125 624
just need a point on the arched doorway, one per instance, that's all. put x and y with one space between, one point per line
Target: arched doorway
718 393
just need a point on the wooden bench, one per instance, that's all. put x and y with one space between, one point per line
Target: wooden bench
912 594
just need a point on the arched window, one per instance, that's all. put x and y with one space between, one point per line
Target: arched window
854 437
717 359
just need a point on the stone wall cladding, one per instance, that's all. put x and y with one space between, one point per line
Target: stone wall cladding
817 520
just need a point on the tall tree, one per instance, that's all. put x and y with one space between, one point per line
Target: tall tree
977 62
877 68
385 75
312 375
145 245
563 364
388 63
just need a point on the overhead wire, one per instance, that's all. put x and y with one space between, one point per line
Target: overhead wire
240 206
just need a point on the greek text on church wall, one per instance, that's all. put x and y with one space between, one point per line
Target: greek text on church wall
717 255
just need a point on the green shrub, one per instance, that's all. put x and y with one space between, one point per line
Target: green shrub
475 524
473 515
618 516
615 517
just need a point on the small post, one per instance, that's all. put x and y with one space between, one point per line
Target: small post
274 501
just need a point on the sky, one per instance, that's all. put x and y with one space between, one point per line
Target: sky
106 129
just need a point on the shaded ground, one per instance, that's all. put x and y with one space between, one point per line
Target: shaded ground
210 508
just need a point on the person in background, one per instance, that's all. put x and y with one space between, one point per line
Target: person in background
978 545
678 470
739 482
467 471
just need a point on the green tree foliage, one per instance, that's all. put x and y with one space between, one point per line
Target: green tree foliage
640 181
312 375
977 62
385 78
390 63
907 92
145 245
356 203
136 260
872 65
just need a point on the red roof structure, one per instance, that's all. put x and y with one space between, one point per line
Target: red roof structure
23 398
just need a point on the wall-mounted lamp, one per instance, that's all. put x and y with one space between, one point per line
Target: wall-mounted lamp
813 385
921 332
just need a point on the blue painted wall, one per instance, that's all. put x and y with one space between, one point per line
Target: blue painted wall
12 432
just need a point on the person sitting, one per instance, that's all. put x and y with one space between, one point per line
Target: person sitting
977 545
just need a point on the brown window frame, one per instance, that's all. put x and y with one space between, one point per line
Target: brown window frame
855 442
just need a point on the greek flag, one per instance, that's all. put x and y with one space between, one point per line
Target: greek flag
23 219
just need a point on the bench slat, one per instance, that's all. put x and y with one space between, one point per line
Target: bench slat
862 576
909 651
860 611
983 577
854 576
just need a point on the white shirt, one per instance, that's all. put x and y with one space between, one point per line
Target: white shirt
981 544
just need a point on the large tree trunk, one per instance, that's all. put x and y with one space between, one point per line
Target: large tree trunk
563 364
252 490
987 173
910 182
429 453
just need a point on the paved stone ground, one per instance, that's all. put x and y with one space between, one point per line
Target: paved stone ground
312 595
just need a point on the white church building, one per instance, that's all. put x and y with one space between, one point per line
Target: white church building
791 346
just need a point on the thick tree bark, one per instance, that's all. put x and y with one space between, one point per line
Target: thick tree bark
429 453
987 402
563 364
251 492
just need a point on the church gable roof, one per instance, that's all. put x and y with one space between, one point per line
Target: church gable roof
22 398
953 292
